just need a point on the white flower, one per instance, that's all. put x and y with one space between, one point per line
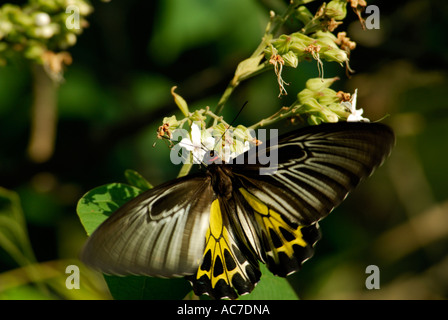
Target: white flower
200 142
355 115
42 19
238 148
197 145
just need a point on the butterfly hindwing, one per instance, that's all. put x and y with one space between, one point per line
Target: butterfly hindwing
228 267
285 245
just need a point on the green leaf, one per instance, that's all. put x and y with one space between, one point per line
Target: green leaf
271 287
98 204
135 179
13 233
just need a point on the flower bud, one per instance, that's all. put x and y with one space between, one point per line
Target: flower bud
336 9
339 109
303 14
316 84
290 59
316 113
34 51
327 96
198 116
281 44
171 121
46 31
325 37
334 54
304 95
180 102
42 19
248 66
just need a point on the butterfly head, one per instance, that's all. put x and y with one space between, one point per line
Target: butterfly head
211 157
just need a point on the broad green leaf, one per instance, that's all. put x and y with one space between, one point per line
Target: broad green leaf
135 179
98 204
93 208
271 287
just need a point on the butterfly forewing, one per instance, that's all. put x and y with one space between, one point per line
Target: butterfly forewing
159 233
317 167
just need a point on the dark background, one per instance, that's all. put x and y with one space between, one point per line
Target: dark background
117 91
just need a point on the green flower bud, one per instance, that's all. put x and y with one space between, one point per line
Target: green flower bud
68 40
291 59
248 66
217 130
198 116
34 51
180 102
336 9
339 109
313 108
281 44
317 84
325 37
5 27
243 133
327 96
305 95
334 54
171 121
303 14
46 31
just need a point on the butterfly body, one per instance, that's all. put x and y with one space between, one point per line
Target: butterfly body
216 226
221 179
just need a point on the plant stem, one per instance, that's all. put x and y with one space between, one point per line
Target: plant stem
44 116
272 28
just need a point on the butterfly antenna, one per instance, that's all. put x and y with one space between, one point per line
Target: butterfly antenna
231 123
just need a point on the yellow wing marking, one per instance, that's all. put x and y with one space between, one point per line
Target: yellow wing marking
282 236
219 260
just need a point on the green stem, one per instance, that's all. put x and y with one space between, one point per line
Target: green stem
283 113
274 25
272 28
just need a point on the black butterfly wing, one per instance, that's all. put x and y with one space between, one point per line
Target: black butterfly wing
158 233
229 267
317 167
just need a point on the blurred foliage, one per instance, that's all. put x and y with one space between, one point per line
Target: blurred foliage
117 91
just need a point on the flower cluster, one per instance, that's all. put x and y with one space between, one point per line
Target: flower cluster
314 41
41 30
319 103
227 141
315 104
228 145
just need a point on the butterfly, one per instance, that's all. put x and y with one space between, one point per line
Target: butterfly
214 227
